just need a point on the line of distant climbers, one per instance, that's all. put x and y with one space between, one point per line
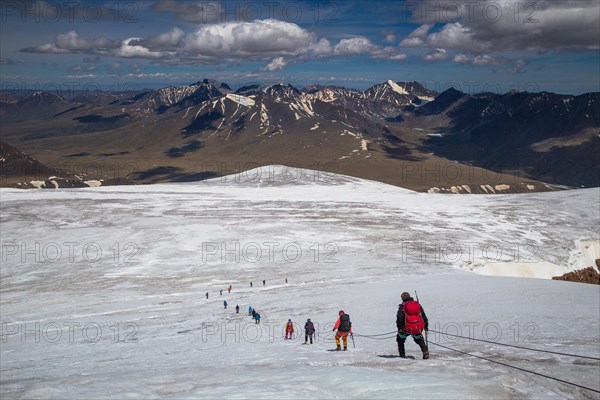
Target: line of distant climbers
230 287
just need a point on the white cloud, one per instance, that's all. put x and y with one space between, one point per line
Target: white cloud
461 59
146 75
398 57
354 46
228 42
480 33
458 37
387 53
266 37
321 48
361 45
71 42
421 31
165 41
506 25
128 50
412 42
388 36
415 38
277 64
76 68
47 48
518 67
82 76
435 55
486 59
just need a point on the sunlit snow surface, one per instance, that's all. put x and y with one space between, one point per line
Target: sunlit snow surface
111 302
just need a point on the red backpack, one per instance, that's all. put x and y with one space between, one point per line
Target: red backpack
413 323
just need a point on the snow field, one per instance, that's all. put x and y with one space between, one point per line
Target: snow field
134 322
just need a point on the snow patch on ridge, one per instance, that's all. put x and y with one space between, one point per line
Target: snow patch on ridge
396 88
539 269
528 266
282 175
585 254
93 183
38 184
243 100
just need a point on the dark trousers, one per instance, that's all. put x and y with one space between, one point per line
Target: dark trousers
306 336
401 338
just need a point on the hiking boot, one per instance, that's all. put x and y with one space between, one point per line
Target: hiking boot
338 348
305 342
425 355
402 355
345 348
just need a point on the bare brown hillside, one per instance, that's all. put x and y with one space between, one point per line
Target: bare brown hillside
586 275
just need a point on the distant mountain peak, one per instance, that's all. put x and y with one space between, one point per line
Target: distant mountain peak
46 97
452 91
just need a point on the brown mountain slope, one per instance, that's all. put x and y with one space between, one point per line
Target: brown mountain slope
201 131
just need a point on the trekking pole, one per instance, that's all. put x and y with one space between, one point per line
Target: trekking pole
352 337
426 341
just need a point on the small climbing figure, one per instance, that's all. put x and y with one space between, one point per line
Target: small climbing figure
289 329
309 331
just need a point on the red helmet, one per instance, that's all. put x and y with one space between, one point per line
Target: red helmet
341 312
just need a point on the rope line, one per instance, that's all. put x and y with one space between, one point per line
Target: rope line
518 368
377 337
519 347
393 333
380 334
386 336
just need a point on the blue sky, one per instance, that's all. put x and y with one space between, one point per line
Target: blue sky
491 45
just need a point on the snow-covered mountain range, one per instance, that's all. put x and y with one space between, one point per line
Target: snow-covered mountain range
369 133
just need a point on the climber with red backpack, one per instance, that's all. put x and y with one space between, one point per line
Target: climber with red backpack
343 327
411 321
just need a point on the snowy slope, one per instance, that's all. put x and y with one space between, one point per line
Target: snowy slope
134 262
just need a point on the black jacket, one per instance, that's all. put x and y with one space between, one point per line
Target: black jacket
309 328
400 316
